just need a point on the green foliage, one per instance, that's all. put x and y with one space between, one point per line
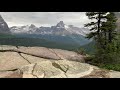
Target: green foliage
89 59
36 42
89 48
80 51
6 36
107 41
115 67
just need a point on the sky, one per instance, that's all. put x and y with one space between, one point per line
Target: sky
44 18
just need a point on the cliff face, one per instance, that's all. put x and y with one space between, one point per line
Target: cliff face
3 26
41 62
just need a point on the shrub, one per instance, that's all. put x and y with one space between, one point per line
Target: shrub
80 51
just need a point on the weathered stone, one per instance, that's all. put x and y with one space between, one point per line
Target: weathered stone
42 52
28 71
74 69
11 74
57 69
98 73
0 47
33 59
114 74
11 60
7 47
40 62
69 55
43 69
39 51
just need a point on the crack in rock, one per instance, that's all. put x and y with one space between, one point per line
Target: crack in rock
55 53
44 74
17 47
59 67
20 73
10 70
33 70
27 54
24 58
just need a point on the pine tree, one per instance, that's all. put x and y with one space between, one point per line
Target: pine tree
109 29
99 18
104 34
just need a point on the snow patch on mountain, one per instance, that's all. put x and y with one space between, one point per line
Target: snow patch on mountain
60 28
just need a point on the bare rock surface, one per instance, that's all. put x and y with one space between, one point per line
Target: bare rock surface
42 52
39 51
57 69
11 60
114 74
11 74
41 62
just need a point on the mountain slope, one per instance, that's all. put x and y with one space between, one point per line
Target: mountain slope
3 26
59 29
89 48
59 36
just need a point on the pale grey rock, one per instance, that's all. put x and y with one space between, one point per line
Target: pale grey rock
57 69
114 74
39 51
11 60
33 59
8 47
69 55
42 69
11 74
74 69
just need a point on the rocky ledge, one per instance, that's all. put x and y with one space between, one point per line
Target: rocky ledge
41 62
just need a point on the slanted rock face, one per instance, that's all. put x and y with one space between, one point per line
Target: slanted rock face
11 60
39 51
64 54
73 69
33 59
57 69
55 54
40 62
3 26
42 70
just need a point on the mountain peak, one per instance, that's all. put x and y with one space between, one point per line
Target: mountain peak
3 26
60 24
1 19
32 26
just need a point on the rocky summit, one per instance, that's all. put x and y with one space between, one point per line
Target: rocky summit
41 62
4 29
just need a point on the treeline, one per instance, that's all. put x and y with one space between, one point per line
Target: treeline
30 42
104 32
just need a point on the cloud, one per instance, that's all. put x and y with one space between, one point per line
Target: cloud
44 18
